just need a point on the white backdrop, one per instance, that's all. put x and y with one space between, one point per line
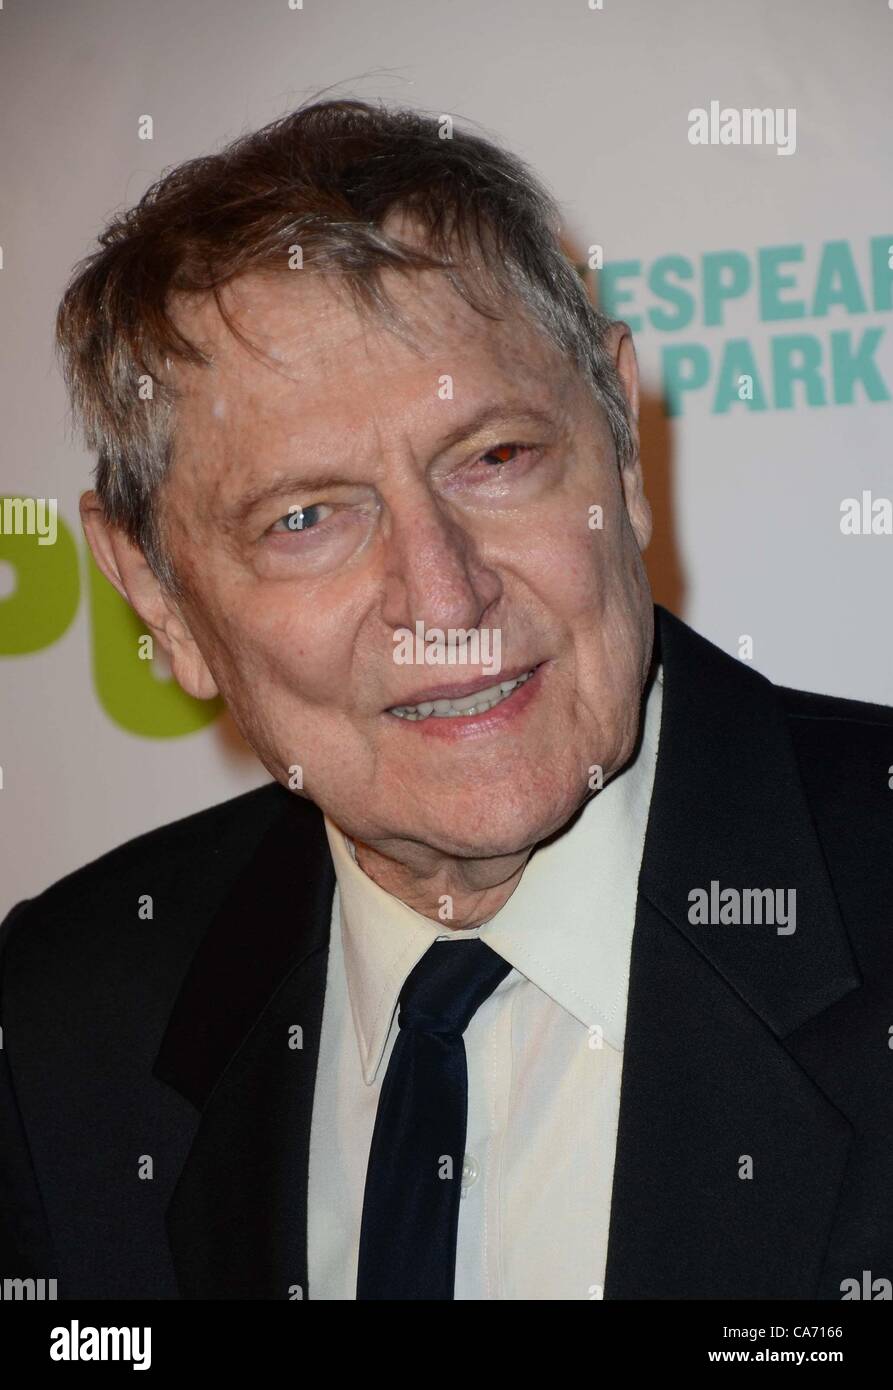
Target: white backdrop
747 501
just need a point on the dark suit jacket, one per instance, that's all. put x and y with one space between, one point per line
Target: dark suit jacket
127 1040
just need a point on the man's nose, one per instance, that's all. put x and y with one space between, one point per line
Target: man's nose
435 574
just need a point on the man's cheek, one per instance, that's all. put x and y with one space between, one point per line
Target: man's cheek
577 576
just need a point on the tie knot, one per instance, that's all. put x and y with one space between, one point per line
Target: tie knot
448 986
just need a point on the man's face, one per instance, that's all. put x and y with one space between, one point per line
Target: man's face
450 483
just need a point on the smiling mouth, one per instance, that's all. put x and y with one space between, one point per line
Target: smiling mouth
476 703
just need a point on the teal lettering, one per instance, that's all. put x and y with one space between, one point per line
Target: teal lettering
612 297
772 282
837 281
882 271
848 367
737 361
786 370
685 368
661 285
726 275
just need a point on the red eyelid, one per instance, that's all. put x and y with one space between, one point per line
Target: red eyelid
515 445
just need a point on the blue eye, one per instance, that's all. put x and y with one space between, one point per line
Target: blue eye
302 518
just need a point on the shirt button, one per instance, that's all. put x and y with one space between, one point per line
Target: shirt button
471 1171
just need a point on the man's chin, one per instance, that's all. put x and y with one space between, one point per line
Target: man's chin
495 832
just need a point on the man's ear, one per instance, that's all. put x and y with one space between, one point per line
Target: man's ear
125 566
619 343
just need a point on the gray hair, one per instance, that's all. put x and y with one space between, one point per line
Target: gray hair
326 177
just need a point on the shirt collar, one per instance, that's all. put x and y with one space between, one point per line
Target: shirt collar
382 939
578 954
569 924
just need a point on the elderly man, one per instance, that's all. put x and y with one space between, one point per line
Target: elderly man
555 961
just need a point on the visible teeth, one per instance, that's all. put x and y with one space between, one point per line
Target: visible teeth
477 703
464 703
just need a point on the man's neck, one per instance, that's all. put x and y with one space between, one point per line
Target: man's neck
459 893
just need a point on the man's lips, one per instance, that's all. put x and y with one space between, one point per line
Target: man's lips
481 713
457 690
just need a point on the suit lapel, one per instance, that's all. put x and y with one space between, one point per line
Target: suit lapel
708 1082
709 1089
242 1045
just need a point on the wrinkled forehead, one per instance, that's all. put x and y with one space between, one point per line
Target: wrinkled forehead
308 315
302 344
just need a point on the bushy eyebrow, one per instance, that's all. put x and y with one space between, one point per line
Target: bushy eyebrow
487 415
494 414
280 486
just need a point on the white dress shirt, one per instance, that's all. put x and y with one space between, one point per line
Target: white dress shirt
544 1055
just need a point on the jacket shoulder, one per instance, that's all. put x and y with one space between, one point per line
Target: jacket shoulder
169 880
845 752
807 704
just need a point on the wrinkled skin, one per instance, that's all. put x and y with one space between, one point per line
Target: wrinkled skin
417 520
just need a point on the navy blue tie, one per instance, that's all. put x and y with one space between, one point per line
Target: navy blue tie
413 1181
